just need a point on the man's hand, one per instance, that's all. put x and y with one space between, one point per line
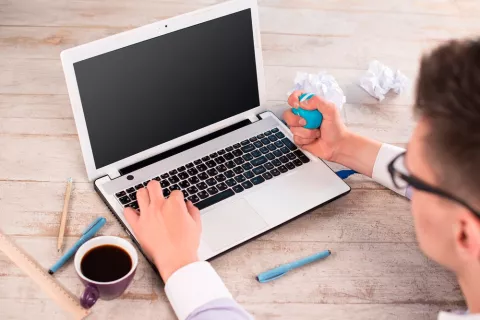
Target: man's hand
325 142
167 229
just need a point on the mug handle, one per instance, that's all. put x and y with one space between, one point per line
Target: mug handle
89 296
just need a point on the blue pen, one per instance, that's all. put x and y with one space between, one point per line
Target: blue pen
277 272
87 234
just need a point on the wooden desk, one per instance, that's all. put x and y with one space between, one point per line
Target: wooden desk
377 271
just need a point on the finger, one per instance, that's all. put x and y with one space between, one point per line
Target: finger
195 214
305 133
293 100
132 217
177 196
302 141
293 120
327 109
155 192
143 199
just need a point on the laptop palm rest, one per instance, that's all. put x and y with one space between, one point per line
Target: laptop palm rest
231 223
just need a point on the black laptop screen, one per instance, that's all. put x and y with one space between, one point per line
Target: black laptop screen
143 95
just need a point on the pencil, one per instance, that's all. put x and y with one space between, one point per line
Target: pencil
63 220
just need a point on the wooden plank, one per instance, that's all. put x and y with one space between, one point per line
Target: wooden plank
42 106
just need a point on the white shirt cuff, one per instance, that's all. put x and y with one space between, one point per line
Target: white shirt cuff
193 286
380 171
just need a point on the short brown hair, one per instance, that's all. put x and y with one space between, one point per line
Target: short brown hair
448 97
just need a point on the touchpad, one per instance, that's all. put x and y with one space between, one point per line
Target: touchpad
229 224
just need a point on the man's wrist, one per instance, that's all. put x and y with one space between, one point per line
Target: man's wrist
167 268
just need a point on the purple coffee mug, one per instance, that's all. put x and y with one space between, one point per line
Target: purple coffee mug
104 290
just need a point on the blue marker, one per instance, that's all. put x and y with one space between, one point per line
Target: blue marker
283 269
87 234
313 117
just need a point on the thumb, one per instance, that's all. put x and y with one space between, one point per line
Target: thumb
326 108
132 217
195 214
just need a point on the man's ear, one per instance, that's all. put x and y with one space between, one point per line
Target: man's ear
467 235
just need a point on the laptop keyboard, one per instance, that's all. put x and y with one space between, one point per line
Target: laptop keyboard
228 171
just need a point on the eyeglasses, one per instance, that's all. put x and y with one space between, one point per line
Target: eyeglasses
402 178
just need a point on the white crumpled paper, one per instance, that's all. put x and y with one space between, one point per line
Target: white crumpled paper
379 79
321 84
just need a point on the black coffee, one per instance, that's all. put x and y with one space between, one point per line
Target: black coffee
106 263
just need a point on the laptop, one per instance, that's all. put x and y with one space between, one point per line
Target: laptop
182 101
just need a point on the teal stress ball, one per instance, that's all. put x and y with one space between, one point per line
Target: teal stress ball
313 117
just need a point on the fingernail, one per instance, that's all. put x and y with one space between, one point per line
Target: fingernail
296 105
302 122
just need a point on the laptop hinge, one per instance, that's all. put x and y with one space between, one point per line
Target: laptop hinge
113 173
253 118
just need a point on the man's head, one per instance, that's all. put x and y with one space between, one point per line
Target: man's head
445 152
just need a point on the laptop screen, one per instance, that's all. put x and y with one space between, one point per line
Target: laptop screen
143 95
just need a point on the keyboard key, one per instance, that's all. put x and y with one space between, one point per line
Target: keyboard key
291 156
211 181
230 173
304 158
216 198
275 172
289 144
230 182
259 170
220 152
280 135
202 167
271 147
284 159
236 145
237 152
274 130
247 157
248 148
239 161
183 175
276 162
258 144
278 144
189 165
256 153
206 158
285 150
240 178
146 182
197 162
164 176
203 176
258 161
238 170
164 183
272 138
222 186
230 164
282 169
156 179
210 164
270 156
221 168
212 172
212 190
244 142
192 190
139 186
257 180
269 166
184 184
264 150
220 178
290 166
133 196
277 153
174 187
237 189
229 148
173 179
203 194
229 156
252 139
134 205
265 141
192 171
260 136
172 172
247 166
120 194
247 184
298 162
298 153
220 159
185 194
166 192
182 168
267 133
193 180
130 190
194 199
124 199
213 155
202 186
248 174
267 175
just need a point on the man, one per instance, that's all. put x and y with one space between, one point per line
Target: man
439 173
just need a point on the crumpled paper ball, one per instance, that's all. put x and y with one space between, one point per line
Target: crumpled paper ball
379 79
321 84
